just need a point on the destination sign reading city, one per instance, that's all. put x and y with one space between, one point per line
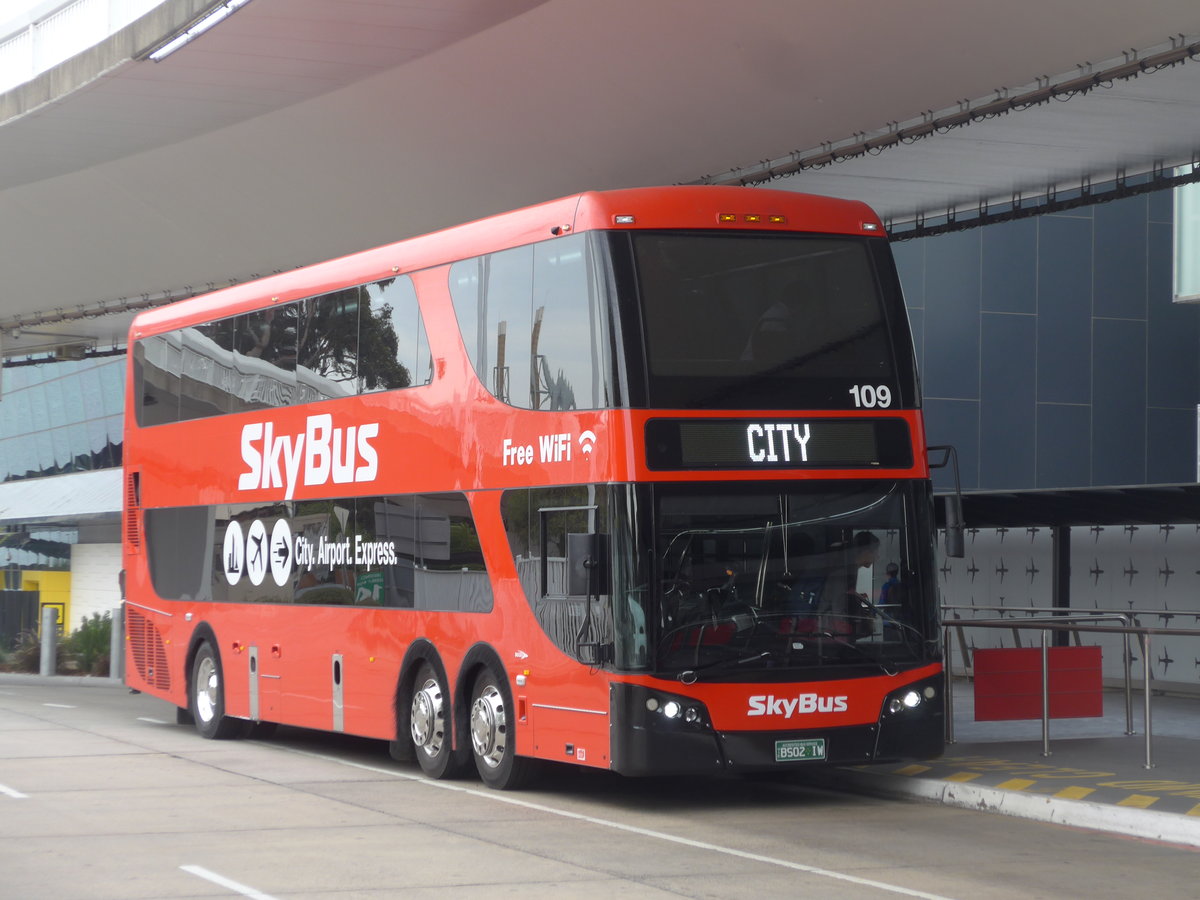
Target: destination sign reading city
777 443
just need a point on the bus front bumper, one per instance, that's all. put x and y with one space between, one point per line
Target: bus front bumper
650 736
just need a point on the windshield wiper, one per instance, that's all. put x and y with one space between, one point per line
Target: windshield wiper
691 676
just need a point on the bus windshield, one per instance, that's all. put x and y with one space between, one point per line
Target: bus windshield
738 321
759 578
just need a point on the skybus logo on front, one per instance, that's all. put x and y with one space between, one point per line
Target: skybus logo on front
802 704
321 453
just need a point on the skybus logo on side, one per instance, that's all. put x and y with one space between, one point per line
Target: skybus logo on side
322 452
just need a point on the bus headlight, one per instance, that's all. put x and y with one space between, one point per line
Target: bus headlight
678 709
908 699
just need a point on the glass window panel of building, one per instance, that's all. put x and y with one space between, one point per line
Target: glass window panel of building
61 417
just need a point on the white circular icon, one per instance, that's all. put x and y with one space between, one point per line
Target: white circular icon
234 554
256 552
281 552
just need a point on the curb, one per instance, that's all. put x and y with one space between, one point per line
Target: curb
1167 827
19 678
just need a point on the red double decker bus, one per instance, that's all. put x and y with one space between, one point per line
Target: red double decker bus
634 480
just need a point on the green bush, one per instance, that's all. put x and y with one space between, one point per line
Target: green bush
83 652
26 653
87 648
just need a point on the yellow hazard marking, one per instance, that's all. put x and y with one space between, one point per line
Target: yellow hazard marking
1194 811
1015 784
963 776
1075 793
912 770
1140 801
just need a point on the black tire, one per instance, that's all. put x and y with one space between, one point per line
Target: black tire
494 736
431 724
206 697
402 750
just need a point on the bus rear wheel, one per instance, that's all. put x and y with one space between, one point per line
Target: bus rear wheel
207 696
430 722
493 734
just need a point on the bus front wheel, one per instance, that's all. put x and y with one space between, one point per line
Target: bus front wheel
493 734
207 697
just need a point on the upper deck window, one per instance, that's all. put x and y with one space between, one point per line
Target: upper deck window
353 341
532 323
740 321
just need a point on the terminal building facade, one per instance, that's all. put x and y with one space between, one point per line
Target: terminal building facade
1052 353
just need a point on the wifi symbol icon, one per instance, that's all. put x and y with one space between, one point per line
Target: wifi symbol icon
587 440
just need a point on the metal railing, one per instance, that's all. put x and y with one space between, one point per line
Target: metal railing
38 44
1046 620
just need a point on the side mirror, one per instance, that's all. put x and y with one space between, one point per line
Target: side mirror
587 564
955 544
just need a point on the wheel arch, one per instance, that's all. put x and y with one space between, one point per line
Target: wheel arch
480 656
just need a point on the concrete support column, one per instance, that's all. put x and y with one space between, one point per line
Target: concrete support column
49 640
116 645
1061 575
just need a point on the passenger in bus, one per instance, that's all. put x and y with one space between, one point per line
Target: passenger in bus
259 336
850 610
889 591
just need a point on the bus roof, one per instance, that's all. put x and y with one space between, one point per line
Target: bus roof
682 207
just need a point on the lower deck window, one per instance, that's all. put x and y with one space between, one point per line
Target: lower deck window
414 551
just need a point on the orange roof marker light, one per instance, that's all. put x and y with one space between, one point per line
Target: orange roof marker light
751 219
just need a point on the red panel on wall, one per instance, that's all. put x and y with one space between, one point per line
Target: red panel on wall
1008 683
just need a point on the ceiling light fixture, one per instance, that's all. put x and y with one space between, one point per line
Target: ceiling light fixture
218 14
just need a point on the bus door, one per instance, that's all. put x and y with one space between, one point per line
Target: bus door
573 605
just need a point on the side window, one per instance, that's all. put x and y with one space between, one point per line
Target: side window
327 345
407 552
157 363
492 297
251 556
466 290
531 324
564 348
322 536
449 560
508 293
179 552
394 351
354 341
542 524
265 357
207 370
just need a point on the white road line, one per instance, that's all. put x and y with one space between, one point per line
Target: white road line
152 721
201 872
60 706
9 792
632 829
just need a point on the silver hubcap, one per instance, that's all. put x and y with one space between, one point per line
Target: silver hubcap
207 688
427 721
489 726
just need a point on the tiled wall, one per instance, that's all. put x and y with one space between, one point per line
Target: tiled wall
1050 352
1149 571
